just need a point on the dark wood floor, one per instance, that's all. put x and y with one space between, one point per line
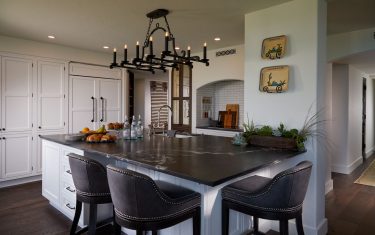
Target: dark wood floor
350 209
23 210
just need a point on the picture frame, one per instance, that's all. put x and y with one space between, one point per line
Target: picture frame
274 47
274 79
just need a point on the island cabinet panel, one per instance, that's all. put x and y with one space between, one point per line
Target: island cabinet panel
58 186
188 162
16 94
51 173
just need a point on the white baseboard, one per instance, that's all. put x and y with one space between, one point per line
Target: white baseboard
370 152
329 186
322 228
13 182
343 169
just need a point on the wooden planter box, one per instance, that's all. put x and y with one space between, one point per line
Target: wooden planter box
273 142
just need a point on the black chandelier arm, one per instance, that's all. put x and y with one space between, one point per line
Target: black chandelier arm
169 58
140 67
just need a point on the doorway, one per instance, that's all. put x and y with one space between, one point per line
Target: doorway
364 88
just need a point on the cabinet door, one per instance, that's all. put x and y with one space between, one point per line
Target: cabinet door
109 104
51 83
83 103
16 94
51 173
16 155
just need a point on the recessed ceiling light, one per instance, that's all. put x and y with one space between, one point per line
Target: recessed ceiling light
105 47
217 39
177 48
51 36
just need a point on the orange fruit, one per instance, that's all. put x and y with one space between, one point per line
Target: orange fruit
85 130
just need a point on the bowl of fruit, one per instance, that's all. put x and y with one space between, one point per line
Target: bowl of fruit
86 131
100 138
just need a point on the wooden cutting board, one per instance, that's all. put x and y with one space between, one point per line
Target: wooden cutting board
234 108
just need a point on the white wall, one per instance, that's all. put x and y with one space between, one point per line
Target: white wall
340 96
229 67
370 117
33 48
303 22
328 126
347 117
344 44
355 117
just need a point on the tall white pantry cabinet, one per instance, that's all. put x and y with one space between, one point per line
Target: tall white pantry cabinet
32 102
42 96
95 96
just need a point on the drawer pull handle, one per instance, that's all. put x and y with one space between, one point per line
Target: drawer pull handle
70 190
69 206
69 172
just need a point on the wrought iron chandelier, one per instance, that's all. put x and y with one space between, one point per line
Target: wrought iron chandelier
168 58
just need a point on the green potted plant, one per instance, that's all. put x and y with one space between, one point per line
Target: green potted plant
281 137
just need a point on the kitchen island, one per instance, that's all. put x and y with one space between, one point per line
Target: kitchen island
202 163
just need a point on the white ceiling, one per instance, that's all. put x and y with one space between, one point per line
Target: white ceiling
91 24
364 61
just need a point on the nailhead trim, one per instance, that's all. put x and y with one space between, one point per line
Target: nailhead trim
289 209
269 187
123 216
84 160
162 195
92 194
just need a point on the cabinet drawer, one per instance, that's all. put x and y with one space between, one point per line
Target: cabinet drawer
68 189
66 172
68 206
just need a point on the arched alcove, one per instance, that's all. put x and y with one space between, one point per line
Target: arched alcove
213 97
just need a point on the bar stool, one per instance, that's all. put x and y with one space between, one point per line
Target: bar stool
280 198
143 204
90 181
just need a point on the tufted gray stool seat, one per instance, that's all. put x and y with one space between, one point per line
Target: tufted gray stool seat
280 198
90 181
143 204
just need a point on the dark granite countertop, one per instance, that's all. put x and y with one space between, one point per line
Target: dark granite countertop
209 160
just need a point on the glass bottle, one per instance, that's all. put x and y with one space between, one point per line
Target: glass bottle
133 129
126 132
139 127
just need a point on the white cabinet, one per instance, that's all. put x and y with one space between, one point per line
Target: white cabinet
52 81
16 94
16 155
109 101
33 101
94 101
58 186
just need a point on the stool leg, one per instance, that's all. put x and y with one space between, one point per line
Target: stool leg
283 227
116 226
255 225
197 221
299 225
224 218
139 232
92 218
77 214
154 232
